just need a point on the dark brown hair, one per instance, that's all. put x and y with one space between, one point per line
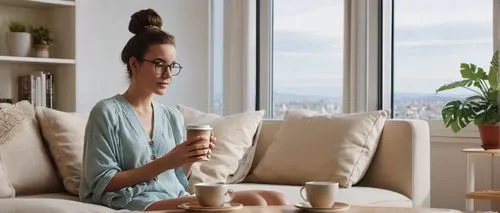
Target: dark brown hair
146 25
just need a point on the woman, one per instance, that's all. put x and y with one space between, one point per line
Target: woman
135 156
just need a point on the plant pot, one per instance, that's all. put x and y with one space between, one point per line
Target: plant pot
490 135
19 43
42 51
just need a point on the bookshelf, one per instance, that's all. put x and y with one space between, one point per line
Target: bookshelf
59 17
38 3
14 59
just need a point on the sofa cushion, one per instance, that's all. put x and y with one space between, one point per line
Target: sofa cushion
6 190
234 147
61 195
355 195
64 132
50 205
27 163
322 147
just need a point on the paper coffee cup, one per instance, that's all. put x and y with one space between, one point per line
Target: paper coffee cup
195 130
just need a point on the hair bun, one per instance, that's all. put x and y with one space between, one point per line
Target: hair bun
144 20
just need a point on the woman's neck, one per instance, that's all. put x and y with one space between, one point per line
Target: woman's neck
138 99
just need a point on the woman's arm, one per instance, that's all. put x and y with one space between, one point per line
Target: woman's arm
132 177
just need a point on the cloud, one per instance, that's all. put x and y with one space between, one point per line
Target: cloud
321 19
424 13
439 42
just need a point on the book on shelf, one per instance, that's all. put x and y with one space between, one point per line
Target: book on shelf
37 88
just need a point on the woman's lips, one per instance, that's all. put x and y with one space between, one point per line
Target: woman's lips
163 84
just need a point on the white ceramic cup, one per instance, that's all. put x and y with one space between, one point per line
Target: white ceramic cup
320 194
213 194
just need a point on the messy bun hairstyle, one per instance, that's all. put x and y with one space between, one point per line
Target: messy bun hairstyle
146 25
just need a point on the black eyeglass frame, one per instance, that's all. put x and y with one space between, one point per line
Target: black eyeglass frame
165 68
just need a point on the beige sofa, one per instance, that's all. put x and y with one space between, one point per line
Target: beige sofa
399 174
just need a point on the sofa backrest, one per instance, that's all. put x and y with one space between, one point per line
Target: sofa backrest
401 162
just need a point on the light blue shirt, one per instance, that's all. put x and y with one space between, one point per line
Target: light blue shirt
116 141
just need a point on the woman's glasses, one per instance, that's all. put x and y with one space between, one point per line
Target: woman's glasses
161 67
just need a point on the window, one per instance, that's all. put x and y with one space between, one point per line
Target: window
428 51
217 56
306 52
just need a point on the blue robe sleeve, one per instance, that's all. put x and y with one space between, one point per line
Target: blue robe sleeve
100 154
177 122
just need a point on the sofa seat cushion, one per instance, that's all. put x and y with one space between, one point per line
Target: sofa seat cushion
62 196
355 195
49 205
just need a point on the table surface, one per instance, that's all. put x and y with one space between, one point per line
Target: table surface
352 209
481 151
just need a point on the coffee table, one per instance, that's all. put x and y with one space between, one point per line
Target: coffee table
352 209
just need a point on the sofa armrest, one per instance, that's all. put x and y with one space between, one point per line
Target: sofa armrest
402 161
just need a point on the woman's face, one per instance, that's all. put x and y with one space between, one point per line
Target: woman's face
152 73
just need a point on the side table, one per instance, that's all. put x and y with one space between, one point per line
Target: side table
472 155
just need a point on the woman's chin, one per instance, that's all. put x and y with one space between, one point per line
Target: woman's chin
160 92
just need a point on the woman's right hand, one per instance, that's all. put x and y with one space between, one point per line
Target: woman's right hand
190 151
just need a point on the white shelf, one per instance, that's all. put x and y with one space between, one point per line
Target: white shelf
14 59
39 3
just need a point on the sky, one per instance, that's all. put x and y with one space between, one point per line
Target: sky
432 38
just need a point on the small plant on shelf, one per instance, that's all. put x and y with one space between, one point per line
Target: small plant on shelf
18 39
42 39
16 26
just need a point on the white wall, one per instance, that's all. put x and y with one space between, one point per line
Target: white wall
102 32
448 174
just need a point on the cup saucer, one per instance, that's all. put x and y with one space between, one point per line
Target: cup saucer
337 207
195 206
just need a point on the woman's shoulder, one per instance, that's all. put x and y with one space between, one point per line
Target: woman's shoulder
104 108
170 111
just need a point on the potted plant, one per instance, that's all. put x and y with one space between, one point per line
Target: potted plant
18 39
481 107
42 40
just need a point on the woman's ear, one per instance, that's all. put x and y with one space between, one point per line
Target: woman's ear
134 64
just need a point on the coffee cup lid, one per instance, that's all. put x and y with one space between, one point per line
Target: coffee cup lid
198 127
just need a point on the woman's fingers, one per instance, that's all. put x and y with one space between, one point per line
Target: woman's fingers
198 152
197 146
195 140
211 145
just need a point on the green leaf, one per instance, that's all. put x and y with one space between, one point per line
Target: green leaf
454 85
456 115
467 71
481 74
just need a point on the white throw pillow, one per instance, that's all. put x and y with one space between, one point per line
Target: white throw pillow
234 147
313 146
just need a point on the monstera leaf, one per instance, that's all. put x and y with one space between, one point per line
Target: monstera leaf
480 108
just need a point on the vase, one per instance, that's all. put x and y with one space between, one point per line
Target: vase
18 43
42 51
490 135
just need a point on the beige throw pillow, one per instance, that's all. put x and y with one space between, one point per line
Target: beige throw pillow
6 190
64 133
323 147
234 147
24 156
